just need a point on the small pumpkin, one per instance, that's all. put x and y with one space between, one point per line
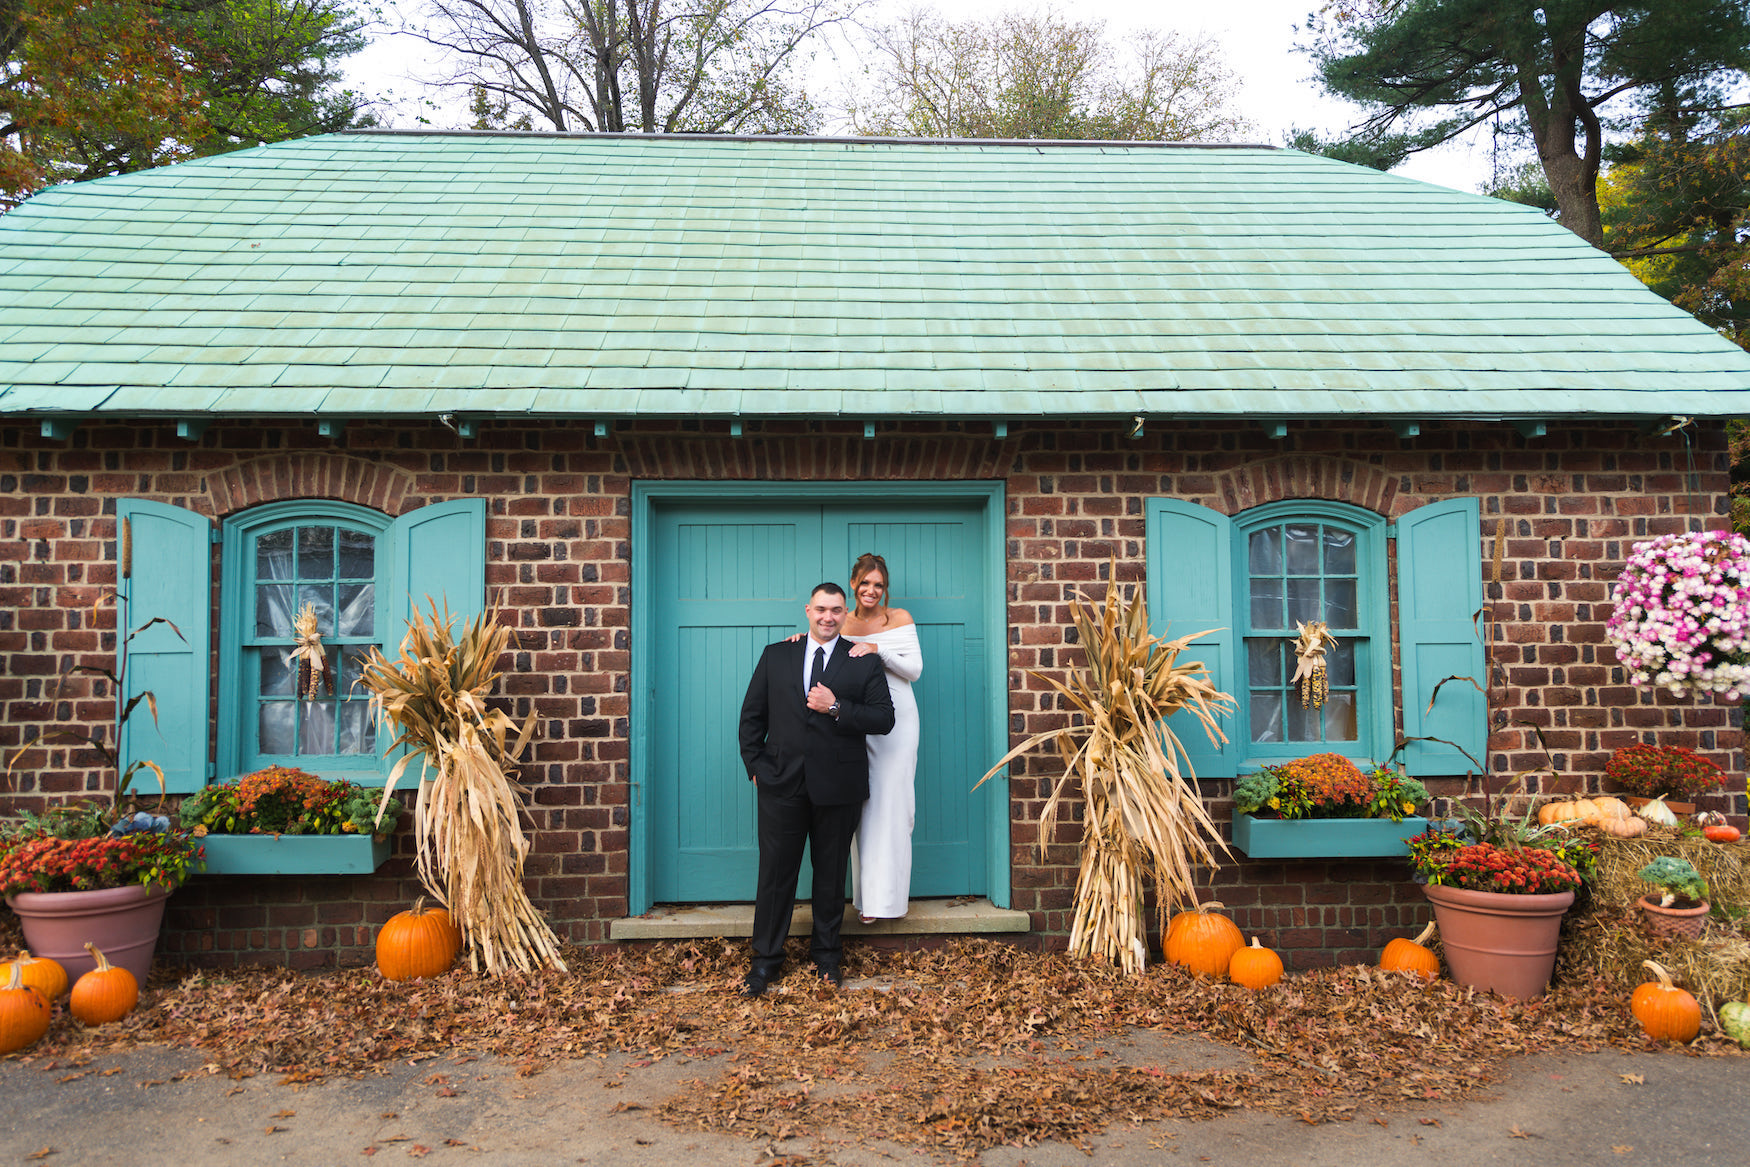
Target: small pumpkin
1721 833
40 973
104 994
1666 1012
1657 813
1628 828
1551 813
24 1013
420 942
1709 818
1203 941
1413 956
1256 967
1612 808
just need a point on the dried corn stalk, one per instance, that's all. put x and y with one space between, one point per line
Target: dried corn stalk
467 820
1144 820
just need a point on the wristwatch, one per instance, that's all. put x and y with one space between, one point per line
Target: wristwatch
834 710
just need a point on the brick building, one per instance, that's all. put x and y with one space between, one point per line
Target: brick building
647 391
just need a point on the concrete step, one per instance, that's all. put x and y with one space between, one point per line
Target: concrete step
961 915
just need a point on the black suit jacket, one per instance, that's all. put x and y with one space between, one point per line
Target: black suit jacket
788 747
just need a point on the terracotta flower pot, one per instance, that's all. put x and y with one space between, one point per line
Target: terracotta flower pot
122 921
1672 923
1506 943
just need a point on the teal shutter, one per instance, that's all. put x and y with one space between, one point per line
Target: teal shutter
439 554
1440 591
1190 589
169 576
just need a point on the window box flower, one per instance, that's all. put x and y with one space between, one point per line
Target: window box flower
283 821
1325 838
1324 807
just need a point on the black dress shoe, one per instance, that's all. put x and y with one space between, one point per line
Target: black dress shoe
754 985
829 973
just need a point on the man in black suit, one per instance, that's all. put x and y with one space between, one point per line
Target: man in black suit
807 710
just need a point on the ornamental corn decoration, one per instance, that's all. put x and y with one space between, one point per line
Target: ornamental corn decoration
313 672
1309 674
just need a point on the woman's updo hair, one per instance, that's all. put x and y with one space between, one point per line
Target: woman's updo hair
866 563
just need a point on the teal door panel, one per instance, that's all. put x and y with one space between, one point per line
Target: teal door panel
937 563
728 582
730 579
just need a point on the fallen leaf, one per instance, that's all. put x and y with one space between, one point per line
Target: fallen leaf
1621 1148
45 1152
418 1151
1634 1079
621 1107
1513 1132
285 1114
1429 1121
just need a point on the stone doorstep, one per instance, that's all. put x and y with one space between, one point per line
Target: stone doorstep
952 917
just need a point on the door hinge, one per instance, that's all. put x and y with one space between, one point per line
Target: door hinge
212 535
1391 530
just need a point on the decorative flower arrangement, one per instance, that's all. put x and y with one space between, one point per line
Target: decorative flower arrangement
88 847
1443 859
1663 772
1682 618
1327 786
282 800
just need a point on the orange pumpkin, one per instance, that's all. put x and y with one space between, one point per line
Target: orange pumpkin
104 994
40 973
24 1013
1256 967
1402 955
420 942
1720 833
1202 941
1666 1012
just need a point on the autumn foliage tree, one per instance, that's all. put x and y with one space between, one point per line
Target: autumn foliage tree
96 87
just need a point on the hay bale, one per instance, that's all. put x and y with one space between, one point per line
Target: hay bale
1606 934
1722 866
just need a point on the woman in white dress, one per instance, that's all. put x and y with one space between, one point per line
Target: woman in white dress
882 851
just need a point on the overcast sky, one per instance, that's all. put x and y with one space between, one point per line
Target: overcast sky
1257 38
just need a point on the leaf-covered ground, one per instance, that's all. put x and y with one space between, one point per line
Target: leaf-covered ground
954 1050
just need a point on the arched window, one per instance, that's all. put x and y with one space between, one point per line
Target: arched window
1242 584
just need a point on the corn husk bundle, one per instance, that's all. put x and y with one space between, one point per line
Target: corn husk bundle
467 819
1144 820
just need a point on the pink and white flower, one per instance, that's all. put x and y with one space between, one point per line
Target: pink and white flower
1682 618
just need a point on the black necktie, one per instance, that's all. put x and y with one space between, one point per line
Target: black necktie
819 668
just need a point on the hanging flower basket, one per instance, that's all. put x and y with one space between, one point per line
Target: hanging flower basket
1682 617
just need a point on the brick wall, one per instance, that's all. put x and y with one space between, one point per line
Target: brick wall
559 530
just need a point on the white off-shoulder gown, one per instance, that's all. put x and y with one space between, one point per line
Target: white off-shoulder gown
882 883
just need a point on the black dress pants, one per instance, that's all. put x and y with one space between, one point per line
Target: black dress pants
785 824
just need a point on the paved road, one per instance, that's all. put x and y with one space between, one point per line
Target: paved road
158 1106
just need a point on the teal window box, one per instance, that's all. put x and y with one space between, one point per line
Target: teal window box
294 854
1324 838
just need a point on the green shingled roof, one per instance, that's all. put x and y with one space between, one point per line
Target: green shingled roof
378 274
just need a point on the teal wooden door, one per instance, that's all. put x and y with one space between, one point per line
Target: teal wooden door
731 578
